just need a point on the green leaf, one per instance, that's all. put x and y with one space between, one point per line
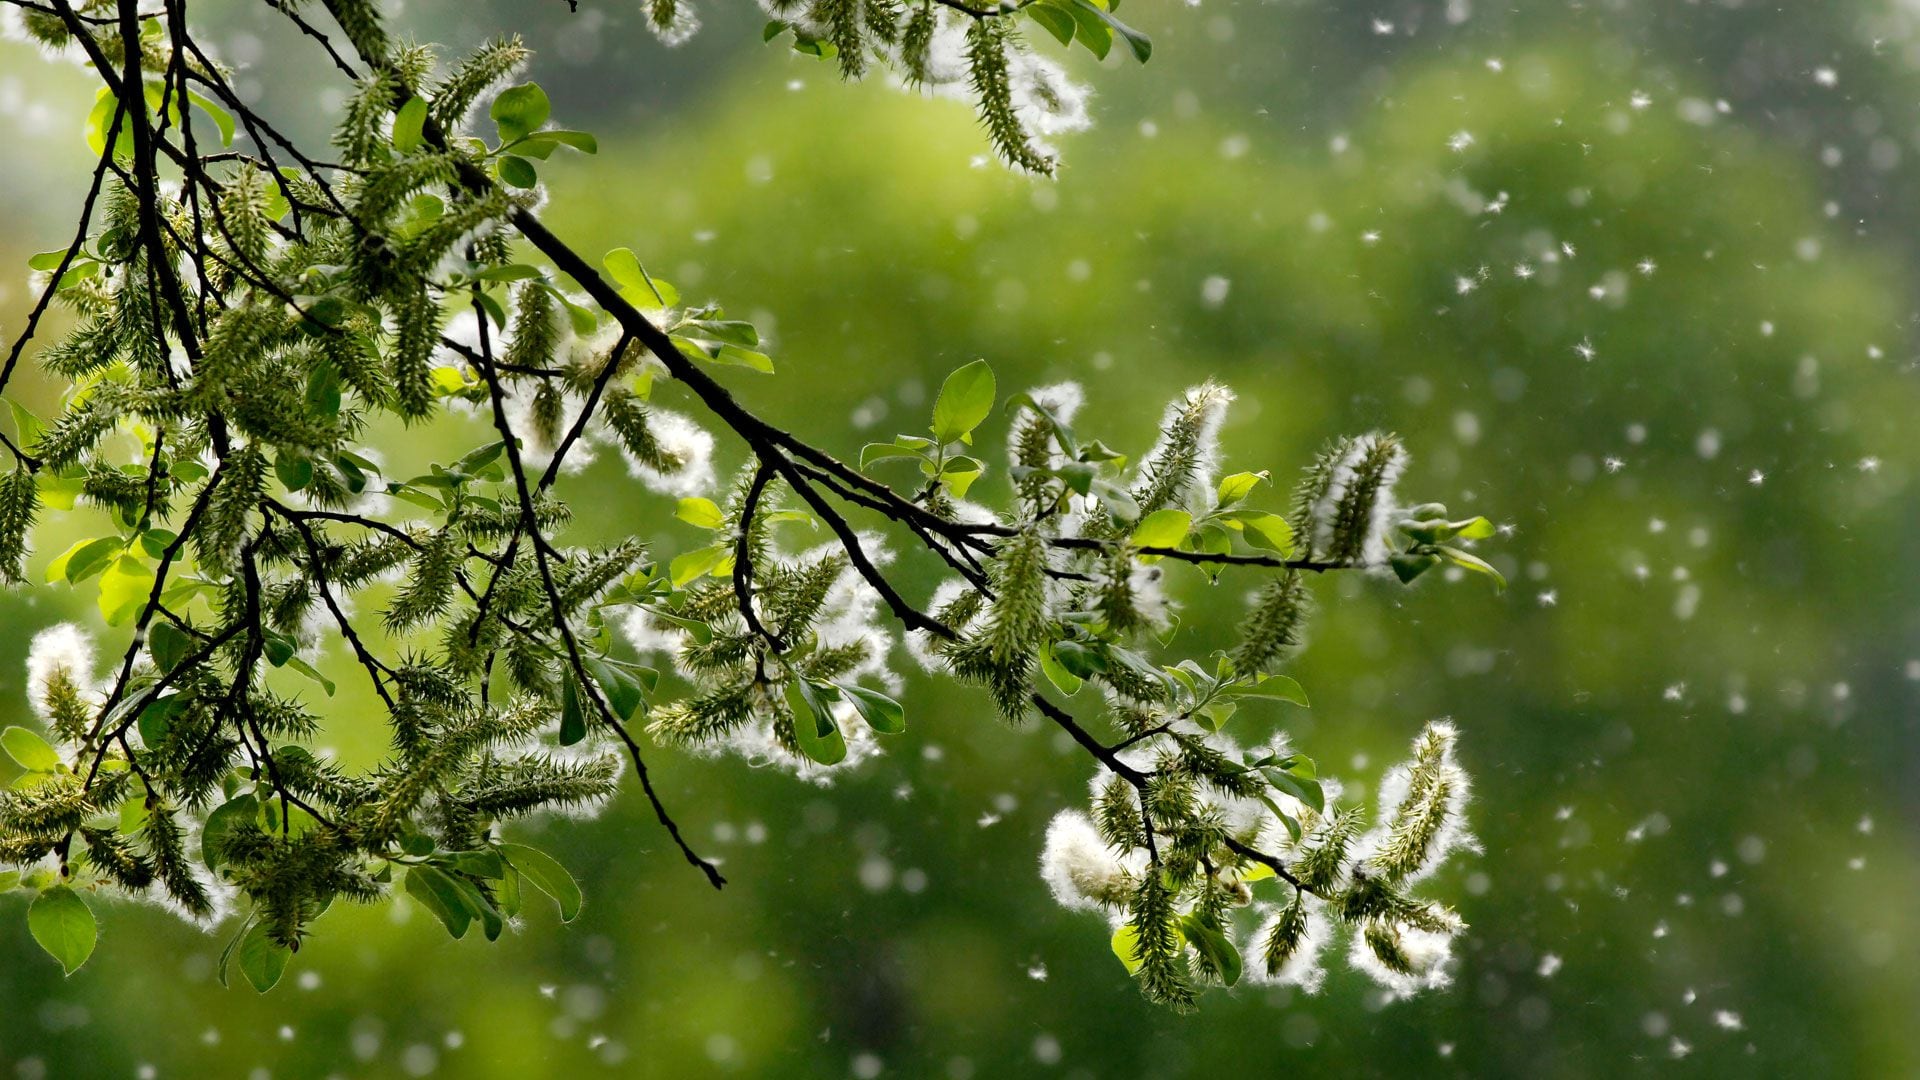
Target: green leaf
64 926
124 589
1407 566
408 124
639 287
547 875
1053 20
438 894
519 110
33 753
295 472
1214 945
477 904
623 691
1057 674
965 400
1269 531
1162 529
517 172
1282 687
1474 529
1238 486
1090 30
700 513
84 559
573 721
1078 659
813 727
234 812
690 566
1292 823
262 959
1141 45
1475 563
300 665
882 713
881 451
222 119
579 140
1126 946
1306 789
157 718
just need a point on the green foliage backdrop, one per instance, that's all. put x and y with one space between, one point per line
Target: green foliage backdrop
1672 804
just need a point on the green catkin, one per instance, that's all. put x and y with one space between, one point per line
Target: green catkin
1274 625
988 42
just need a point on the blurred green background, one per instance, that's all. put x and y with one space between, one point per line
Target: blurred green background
1635 279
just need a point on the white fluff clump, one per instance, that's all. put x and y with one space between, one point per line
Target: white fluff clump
688 443
58 654
649 635
683 24
1443 789
755 743
1429 952
1044 99
850 614
1303 969
1374 548
1207 403
1079 868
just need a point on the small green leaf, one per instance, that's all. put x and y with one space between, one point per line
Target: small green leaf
124 588
573 721
1081 660
965 400
1141 45
438 894
813 728
882 713
222 119
880 451
240 810
547 875
1238 486
84 559
1473 529
408 124
700 513
1305 789
1053 20
623 691
519 110
157 718
638 286
64 926
579 140
1057 674
33 753
517 172
1208 940
1269 531
1126 946
1475 563
1407 566
262 959
1162 529
690 566
1282 687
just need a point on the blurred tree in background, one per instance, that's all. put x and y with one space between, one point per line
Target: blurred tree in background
1664 337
